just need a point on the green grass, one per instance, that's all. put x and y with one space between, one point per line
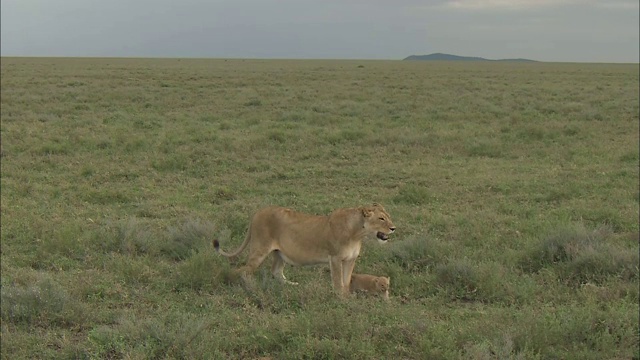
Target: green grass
514 188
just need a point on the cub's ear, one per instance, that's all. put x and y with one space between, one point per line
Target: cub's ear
367 212
379 206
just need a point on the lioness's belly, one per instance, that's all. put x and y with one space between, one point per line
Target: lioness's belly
303 260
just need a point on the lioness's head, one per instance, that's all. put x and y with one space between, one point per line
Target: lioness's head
378 221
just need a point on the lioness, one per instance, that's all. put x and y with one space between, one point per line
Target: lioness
302 239
371 284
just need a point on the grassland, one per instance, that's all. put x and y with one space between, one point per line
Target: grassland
514 188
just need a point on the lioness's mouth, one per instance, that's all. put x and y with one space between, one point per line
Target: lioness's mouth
382 236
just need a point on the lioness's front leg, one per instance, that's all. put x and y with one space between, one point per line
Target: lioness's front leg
335 265
347 270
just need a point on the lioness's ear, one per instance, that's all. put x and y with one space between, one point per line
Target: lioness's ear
367 212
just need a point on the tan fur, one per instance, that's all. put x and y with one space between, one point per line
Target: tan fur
297 238
372 284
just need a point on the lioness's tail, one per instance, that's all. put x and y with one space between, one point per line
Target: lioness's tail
216 245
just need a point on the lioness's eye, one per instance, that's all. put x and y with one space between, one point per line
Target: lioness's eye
381 218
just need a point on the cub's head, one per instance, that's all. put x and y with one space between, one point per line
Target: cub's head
378 221
382 286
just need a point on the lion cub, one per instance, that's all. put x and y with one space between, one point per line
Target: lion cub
372 284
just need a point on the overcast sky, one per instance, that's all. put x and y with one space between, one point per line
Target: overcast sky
546 30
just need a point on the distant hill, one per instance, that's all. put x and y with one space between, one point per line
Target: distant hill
449 57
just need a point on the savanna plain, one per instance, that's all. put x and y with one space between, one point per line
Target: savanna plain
513 187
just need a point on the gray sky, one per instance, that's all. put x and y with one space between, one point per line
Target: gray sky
546 30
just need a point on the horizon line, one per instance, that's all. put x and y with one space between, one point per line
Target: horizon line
480 59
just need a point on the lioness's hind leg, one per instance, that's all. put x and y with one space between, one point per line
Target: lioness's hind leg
277 268
253 263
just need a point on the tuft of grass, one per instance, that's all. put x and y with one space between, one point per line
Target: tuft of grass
136 238
598 263
414 195
485 281
500 348
165 337
485 148
418 254
131 237
44 303
580 255
532 134
459 278
191 236
253 102
632 157
278 137
560 245
175 162
583 331
201 272
54 149
224 193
